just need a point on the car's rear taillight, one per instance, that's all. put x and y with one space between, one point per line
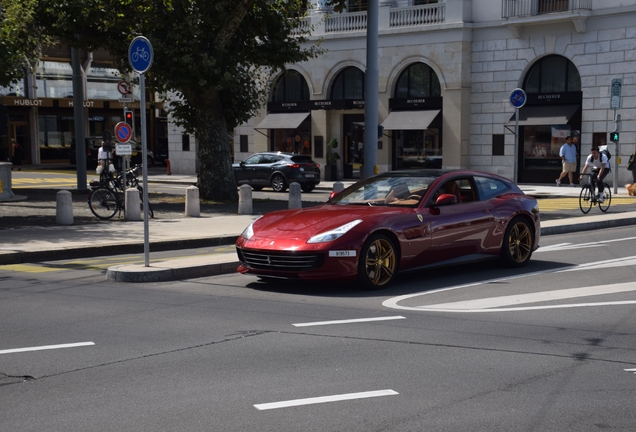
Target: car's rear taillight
295 165
88 151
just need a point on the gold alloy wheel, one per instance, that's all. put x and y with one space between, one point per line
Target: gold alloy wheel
380 262
520 242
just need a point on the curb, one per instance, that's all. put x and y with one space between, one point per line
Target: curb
588 226
162 272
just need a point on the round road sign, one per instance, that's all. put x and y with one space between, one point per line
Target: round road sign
123 132
518 98
123 87
140 54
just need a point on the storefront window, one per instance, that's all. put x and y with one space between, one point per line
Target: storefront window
293 140
55 136
542 145
418 149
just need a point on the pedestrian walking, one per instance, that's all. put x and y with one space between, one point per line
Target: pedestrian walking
568 160
18 155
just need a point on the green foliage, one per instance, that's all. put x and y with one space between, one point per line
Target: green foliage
216 56
332 156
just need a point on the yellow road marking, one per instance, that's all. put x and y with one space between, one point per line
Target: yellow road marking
29 268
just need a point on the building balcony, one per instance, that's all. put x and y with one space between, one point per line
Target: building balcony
389 18
517 14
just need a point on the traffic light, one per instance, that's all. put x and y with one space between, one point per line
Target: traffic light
614 136
129 118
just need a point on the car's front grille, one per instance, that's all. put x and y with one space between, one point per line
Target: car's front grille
280 261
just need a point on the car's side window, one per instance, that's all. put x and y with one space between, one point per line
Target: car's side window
252 159
489 187
268 159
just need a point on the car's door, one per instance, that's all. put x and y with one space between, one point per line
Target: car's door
244 171
263 170
462 228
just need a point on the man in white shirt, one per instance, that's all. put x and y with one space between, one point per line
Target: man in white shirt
600 168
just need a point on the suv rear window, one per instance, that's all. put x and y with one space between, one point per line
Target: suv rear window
302 159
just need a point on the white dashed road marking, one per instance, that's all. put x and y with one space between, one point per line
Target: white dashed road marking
46 347
348 321
325 399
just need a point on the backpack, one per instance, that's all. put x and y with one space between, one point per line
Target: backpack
605 152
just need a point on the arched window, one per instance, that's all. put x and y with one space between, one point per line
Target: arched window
349 84
553 73
416 81
290 87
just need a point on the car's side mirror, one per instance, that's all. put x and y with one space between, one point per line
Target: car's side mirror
446 199
333 194
242 163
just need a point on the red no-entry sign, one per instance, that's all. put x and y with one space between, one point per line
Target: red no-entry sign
123 132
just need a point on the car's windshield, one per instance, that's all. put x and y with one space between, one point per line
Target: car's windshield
393 190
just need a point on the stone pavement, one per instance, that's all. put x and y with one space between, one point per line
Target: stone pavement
45 243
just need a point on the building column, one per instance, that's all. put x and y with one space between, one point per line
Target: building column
456 128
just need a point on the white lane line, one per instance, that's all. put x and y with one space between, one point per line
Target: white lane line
630 370
348 321
46 347
538 297
568 246
324 399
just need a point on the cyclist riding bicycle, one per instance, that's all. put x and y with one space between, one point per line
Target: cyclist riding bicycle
600 167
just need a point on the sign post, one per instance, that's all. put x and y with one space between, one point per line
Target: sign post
140 57
615 104
517 100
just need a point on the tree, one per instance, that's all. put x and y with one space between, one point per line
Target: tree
215 54
21 42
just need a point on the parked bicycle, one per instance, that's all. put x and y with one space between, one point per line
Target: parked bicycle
589 197
107 195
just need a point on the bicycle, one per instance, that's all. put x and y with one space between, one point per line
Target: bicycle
107 195
588 198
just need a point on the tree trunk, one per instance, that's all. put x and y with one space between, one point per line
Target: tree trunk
216 178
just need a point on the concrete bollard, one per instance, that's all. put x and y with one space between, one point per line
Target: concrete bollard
5 181
192 205
295 200
133 205
64 208
338 187
245 200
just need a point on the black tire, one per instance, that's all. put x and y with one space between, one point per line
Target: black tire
103 203
278 183
585 199
378 262
150 161
518 241
308 187
151 213
607 199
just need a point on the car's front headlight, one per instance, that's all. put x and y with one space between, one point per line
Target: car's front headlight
249 231
334 233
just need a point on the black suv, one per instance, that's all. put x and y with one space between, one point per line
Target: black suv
278 170
92 147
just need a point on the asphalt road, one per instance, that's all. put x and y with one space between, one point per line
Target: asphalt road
549 348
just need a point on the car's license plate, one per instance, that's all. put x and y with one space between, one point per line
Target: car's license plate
309 175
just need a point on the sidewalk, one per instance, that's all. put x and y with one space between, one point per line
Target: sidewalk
80 241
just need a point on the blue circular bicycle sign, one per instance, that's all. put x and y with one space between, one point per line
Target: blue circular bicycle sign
140 54
518 98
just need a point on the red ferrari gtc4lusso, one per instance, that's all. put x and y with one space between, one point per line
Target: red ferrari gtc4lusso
394 222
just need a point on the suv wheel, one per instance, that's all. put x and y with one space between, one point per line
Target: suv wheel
278 183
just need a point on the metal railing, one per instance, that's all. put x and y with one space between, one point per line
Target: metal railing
523 8
417 15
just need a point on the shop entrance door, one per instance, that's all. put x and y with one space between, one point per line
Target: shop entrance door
353 145
20 132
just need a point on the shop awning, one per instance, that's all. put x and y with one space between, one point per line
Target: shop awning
282 121
410 120
544 115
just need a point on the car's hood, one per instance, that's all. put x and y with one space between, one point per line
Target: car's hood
304 223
